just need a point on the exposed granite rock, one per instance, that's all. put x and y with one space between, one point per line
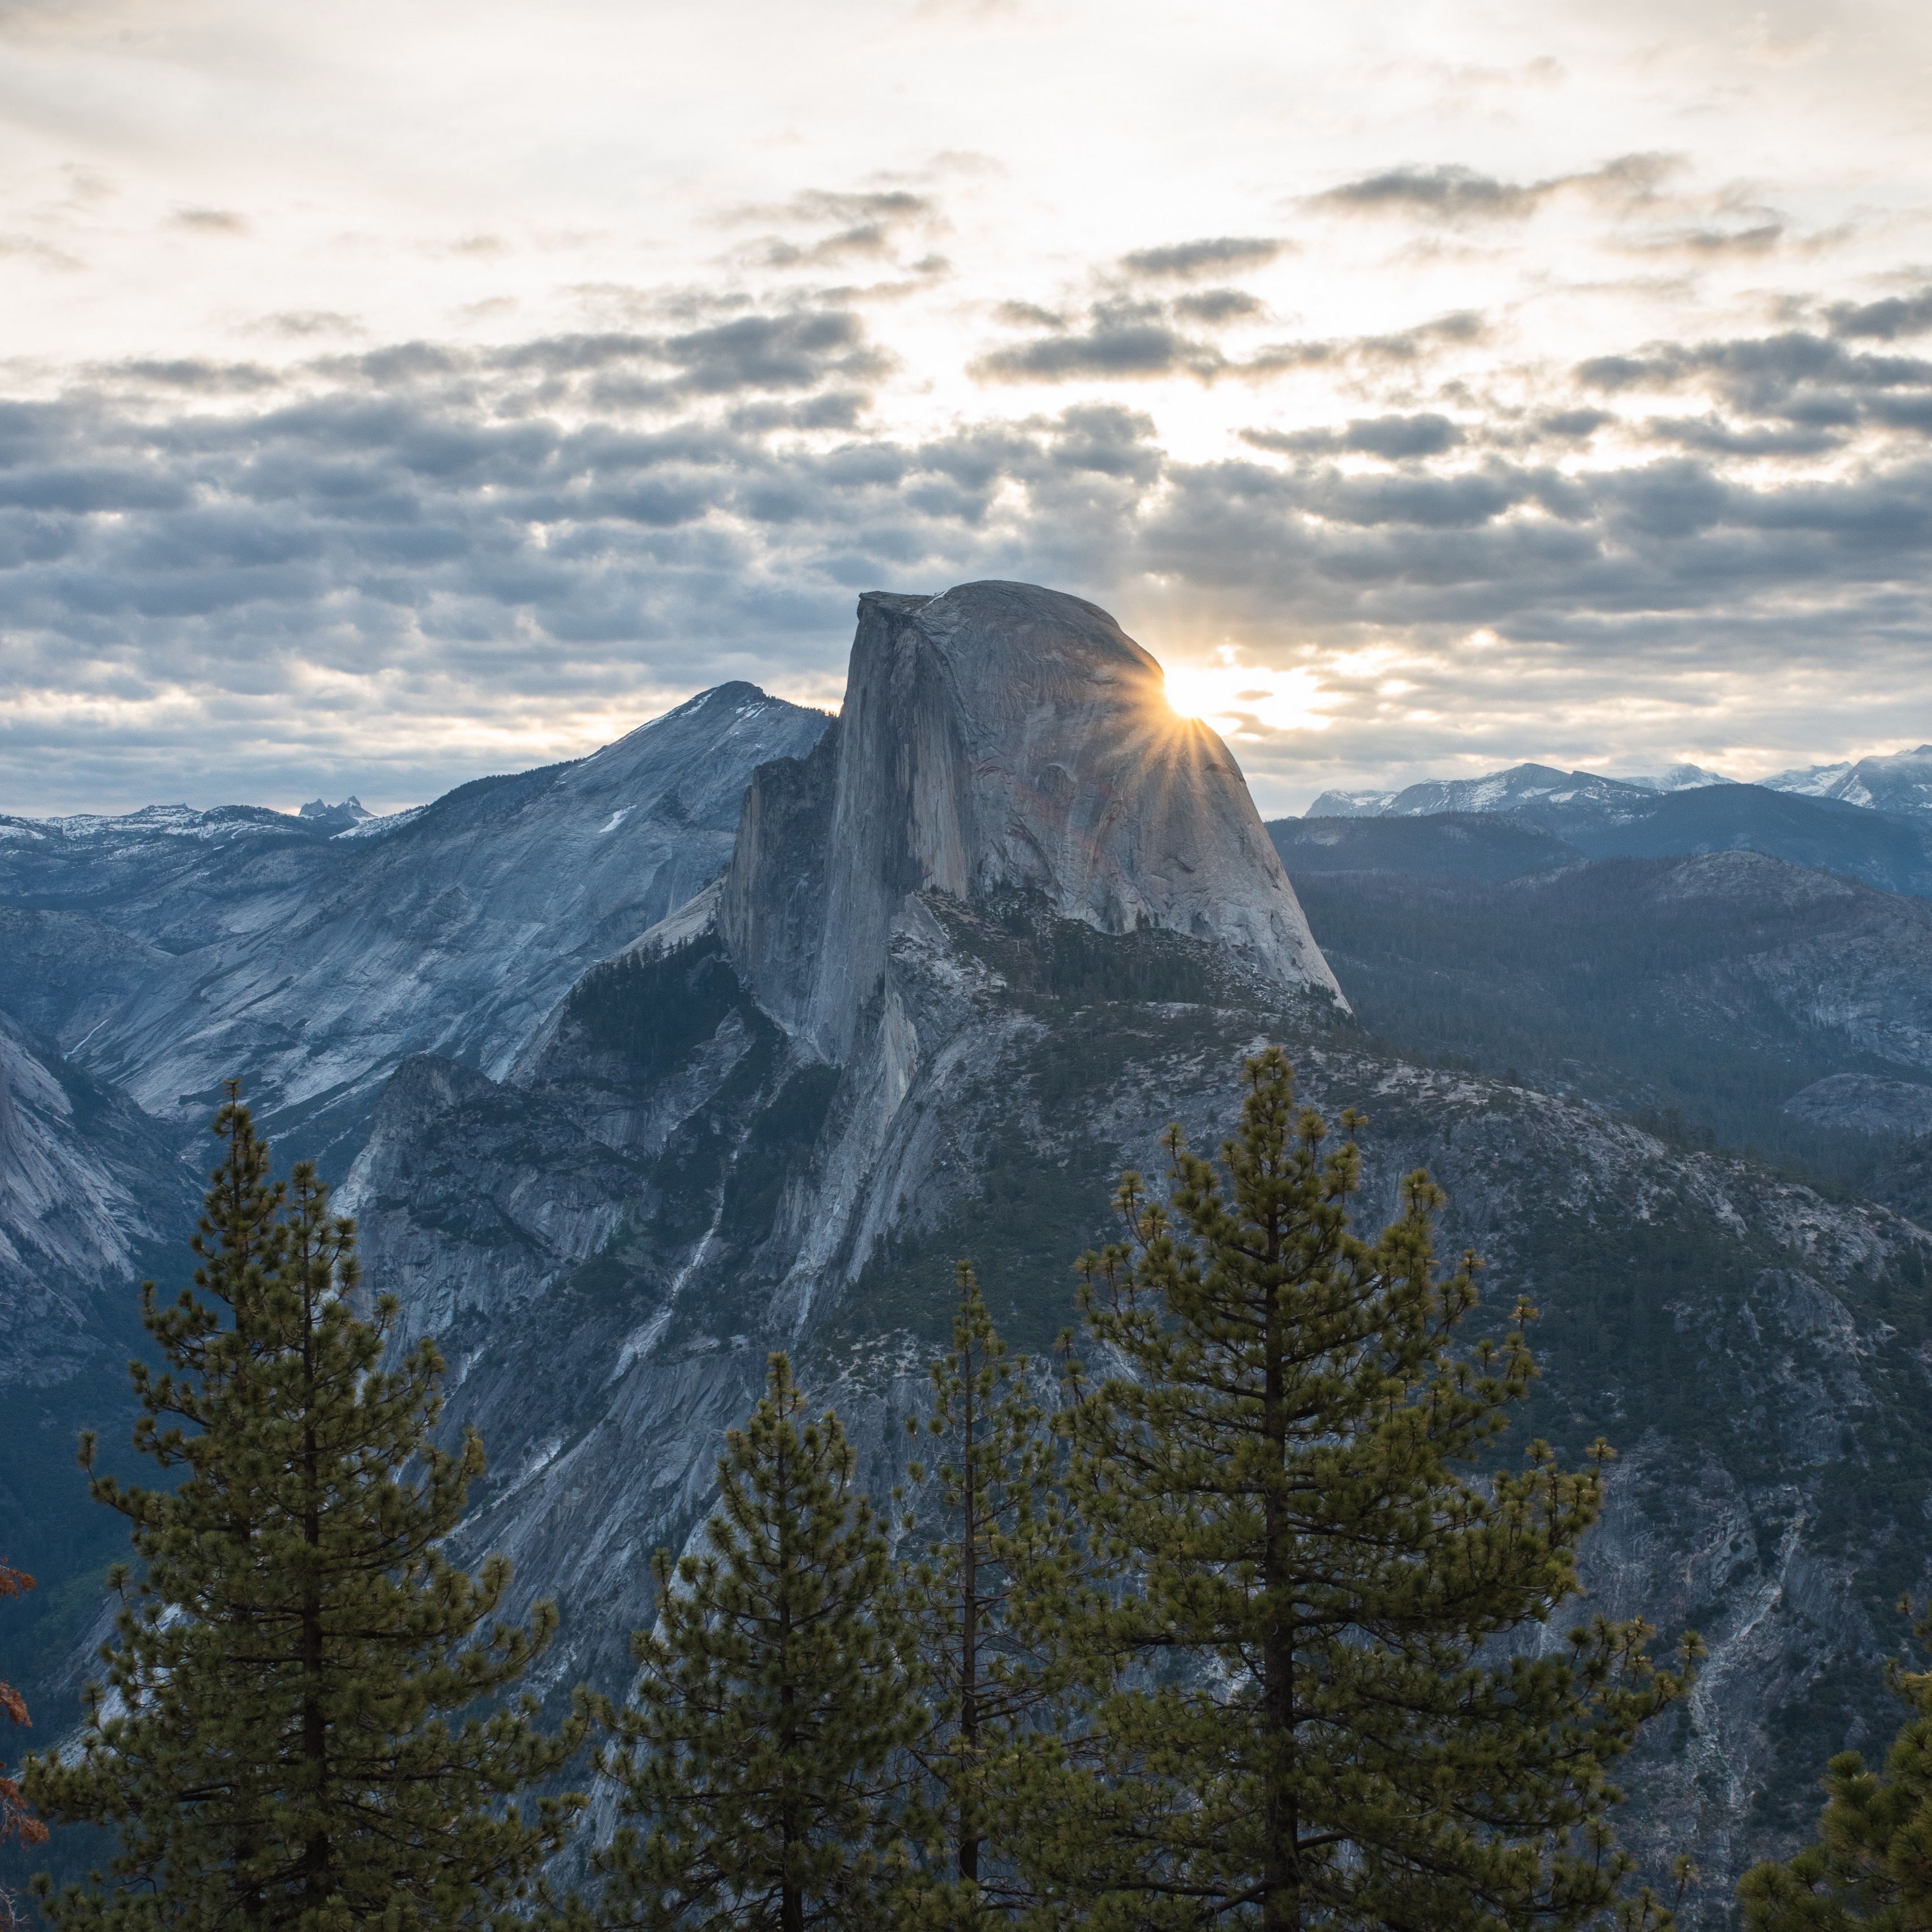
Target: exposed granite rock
1001 737
167 959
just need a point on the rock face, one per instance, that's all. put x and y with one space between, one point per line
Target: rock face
168 954
999 739
92 1197
1755 1352
1863 1103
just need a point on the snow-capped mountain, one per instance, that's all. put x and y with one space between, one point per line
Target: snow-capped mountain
1897 782
1685 810
1681 778
1512 791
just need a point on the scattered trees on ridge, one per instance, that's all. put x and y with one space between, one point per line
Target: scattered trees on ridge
17 1821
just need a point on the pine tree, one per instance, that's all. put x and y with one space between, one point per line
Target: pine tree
772 1698
1308 1734
1870 1864
999 1690
279 1740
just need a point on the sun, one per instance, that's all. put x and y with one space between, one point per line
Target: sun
1235 698
1192 690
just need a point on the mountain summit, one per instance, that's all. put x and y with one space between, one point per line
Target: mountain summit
999 740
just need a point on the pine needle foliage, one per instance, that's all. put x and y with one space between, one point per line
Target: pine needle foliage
281 1739
1870 1864
999 1692
1308 1731
756 1751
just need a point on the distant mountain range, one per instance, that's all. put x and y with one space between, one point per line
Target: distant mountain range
1533 827
1900 782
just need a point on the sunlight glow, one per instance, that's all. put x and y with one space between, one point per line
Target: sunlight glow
1245 701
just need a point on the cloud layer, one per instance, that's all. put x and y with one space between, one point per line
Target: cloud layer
1577 446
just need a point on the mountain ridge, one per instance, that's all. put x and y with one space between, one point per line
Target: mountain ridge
1896 781
704 1145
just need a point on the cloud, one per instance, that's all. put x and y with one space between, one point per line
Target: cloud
1186 259
1794 375
1133 340
866 226
1393 436
31 248
891 206
1449 191
299 324
1760 239
383 567
1886 320
211 221
1136 340
1214 307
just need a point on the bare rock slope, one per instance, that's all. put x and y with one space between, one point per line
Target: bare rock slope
1000 738
169 952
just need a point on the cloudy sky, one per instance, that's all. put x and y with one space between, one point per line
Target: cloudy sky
394 393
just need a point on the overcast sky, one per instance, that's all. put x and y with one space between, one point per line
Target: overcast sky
394 393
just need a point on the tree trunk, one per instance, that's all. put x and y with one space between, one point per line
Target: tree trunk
791 1898
315 1859
969 1654
1281 1876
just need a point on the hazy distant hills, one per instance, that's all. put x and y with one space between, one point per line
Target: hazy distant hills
1533 817
1899 782
1713 951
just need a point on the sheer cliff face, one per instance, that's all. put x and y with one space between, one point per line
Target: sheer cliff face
1000 738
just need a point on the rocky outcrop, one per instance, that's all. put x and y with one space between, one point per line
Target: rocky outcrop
1000 739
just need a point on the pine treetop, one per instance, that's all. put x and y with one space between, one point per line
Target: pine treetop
1283 1468
287 1731
771 1697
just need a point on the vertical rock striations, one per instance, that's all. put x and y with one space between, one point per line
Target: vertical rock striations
999 739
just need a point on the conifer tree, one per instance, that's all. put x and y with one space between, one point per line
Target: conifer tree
756 1751
1870 1864
1285 1467
998 1690
280 1741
